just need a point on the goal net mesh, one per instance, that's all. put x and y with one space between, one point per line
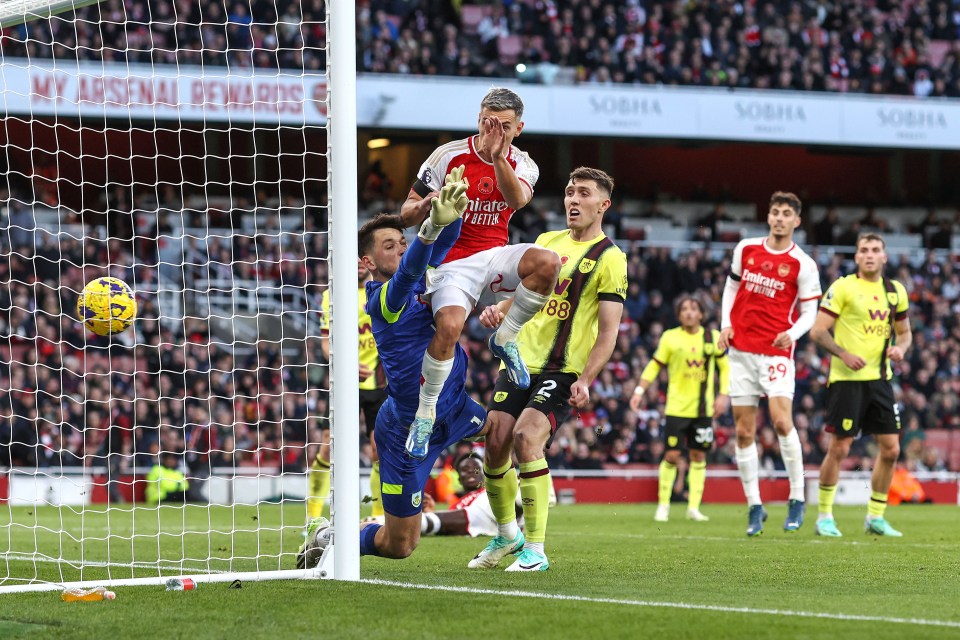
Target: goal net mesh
179 146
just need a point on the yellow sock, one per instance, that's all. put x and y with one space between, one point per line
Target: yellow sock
535 492
827 494
877 505
696 479
319 487
502 492
376 508
668 475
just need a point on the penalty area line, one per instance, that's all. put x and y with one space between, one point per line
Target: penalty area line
668 605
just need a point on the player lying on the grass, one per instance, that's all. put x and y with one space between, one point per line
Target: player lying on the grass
501 181
565 346
470 514
868 315
769 302
692 359
403 327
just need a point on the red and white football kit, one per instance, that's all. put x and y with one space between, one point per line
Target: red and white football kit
772 285
481 261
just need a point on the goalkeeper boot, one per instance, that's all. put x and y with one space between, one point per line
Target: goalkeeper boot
662 514
530 560
509 354
827 527
795 511
418 441
758 515
696 516
879 526
496 550
319 532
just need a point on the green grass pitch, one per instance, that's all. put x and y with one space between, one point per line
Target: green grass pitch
614 574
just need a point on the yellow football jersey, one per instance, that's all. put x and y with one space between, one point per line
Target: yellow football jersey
368 346
559 338
862 327
689 360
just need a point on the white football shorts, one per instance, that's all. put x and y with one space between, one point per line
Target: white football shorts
486 277
753 375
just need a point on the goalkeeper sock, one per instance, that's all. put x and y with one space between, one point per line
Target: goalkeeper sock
877 505
792 453
696 479
825 506
501 486
748 463
535 491
429 524
368 546
434 374
319 487
525 305
376 507
668 475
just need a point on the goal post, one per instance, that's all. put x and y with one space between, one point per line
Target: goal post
217 178
342 161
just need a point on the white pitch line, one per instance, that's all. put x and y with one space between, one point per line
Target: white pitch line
26 557
789 540
668 605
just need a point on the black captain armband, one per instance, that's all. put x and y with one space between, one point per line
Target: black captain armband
420 188
734 277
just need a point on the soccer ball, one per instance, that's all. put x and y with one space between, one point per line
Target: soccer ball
107 306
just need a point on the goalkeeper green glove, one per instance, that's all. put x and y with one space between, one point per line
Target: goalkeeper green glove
446 208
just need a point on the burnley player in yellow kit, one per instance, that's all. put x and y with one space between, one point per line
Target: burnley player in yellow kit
866 311
565 346
372 394
690 354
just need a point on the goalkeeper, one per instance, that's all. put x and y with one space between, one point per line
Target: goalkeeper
403 327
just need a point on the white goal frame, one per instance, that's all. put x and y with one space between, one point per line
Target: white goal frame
342 559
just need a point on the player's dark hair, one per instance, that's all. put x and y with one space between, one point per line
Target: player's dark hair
871 236
787 198
602 178
367 231
683 299
467 456
502 99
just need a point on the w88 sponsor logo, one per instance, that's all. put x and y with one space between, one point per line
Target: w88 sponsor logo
557 308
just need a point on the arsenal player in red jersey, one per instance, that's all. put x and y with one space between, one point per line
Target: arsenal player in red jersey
481 266
769 302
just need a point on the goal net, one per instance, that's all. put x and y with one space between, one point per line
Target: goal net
181 147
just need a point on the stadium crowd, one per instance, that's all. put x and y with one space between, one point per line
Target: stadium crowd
68 397
908 48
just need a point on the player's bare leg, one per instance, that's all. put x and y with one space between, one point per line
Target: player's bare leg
781 414
437 364
538 270
875 523
748 463
500 478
